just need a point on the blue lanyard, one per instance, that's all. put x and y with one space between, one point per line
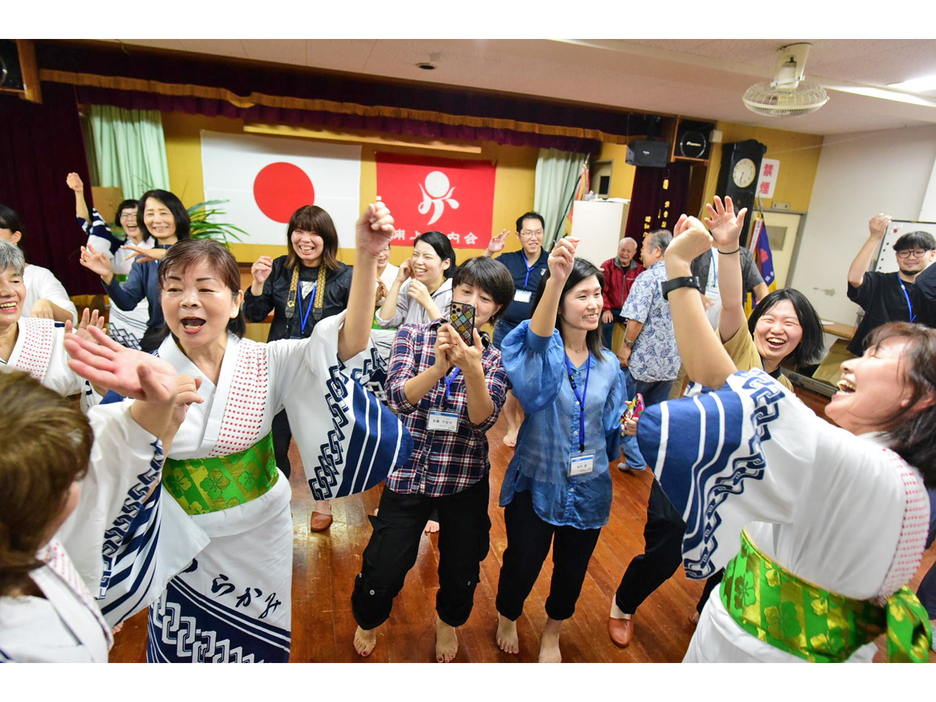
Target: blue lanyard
580 398
449 379
909 305
526 280
305 318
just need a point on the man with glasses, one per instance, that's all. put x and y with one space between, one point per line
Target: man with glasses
526 267
889 297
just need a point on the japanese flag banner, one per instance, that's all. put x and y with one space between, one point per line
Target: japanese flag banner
436 194
266 179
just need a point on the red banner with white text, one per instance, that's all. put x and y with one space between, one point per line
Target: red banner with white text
427 194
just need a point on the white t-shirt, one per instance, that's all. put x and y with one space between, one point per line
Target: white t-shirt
41 284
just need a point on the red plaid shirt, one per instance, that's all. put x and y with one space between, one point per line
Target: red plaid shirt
618 283
442 462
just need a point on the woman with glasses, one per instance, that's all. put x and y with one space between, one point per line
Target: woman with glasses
889 297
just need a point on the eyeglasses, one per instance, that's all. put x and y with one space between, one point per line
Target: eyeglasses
527 233
916 253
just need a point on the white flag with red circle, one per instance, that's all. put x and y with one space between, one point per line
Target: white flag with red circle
266 179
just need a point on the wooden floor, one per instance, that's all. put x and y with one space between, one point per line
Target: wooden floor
325 565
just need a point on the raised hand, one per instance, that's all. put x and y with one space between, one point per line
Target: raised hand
878 226
374 228
96 262
73 181
443 345
724 224
461 354
562 258
380 293
419 292
88 319
406 270
498 242
187 396
261 270
145 255
690 240
107 364
42 309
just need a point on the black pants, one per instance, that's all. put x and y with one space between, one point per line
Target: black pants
464 533
528 541
282 435
662 556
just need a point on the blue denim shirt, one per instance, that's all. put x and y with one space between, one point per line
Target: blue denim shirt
549 435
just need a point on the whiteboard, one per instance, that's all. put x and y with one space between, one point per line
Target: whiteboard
887 260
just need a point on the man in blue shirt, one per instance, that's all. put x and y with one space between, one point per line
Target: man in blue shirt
526 267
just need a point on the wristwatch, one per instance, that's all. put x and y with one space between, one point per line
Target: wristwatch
686 281
630 344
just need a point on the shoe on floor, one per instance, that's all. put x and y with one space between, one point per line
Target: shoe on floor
621 631
320 522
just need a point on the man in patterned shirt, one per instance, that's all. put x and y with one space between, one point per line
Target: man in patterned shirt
447 394
649 352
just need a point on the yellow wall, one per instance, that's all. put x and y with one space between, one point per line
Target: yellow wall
513 185
798 155
622 173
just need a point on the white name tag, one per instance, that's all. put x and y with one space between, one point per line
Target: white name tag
523 296
581 464
443 421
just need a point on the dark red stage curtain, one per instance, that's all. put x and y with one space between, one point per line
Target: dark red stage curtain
652 206
39 145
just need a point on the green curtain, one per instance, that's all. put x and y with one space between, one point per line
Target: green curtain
557 174
130 149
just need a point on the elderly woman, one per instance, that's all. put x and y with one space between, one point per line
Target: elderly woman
232 602
33 344
780 498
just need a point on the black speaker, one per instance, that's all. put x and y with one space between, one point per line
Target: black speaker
11 74
693 139
653 154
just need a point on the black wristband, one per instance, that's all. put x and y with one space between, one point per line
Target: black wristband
728 253
686 281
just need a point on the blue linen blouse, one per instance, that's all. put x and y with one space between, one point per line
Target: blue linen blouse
549 435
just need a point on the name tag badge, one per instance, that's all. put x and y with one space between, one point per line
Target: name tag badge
581 464
443 421
523 296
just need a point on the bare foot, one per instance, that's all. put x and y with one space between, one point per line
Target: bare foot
510 438
364 641
432 527
507 639
116 629
446 642
549 642
322 507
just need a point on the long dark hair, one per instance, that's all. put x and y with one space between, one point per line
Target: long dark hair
192 251
811 348
581 270
912 432
312 218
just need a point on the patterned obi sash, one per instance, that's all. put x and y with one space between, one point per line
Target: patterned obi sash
777 607
202 485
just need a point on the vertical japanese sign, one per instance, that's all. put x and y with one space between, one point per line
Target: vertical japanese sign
426 194
767 181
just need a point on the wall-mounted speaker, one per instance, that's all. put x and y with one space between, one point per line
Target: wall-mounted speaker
653 154
18 72
693 139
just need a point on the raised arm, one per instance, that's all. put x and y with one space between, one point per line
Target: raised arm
497 243
878 228
702 354
374 229
73 180
389 309
726 229
560 265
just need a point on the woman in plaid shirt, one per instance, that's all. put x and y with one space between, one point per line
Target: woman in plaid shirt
448 394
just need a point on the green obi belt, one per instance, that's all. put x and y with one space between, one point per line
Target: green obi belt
777 607
202 485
